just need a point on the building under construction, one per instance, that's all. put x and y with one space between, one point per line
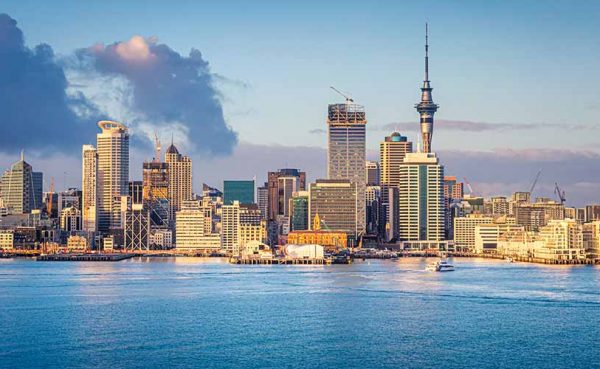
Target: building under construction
155 191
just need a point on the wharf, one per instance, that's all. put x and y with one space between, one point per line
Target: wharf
276 261
84 257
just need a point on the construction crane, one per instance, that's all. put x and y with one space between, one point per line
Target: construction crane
345 95
468 186
560 193
535 181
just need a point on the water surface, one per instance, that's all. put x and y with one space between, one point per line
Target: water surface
193 312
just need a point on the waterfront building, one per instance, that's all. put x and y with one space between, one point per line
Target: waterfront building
137 228
76 243
334 203
299 209
421 199
453 193
426 107
591 239
331 240
464 230
161 239
7 239
190 232
346 153
89 193
21 188
70 219
180 179
373 173
252 228
113 173
230 227
241 191
562 240
487 236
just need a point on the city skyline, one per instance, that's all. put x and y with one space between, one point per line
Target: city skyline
566 154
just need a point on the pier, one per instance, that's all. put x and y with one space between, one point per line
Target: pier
84 257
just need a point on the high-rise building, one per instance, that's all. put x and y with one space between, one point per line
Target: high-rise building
21 188
281 185
89 178
262 199
421 198
453 193
136 191
241 191
155 178
180 179
426 106
70 219
136 230
299 216
392 151
334 202
192 231
346 151
113 173
230 227
372 175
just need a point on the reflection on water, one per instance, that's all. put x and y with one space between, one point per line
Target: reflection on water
163 312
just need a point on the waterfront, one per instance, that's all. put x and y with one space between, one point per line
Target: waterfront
170 312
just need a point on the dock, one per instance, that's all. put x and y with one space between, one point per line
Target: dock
84 257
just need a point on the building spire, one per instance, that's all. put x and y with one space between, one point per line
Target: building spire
426 53
426 107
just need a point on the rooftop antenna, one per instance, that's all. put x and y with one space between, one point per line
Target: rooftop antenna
345 95
426 52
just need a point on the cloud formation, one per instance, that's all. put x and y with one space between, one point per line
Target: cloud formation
37 112
471 126
167 90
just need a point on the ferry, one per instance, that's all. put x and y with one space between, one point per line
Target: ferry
440 266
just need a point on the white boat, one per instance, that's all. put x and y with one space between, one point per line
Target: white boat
440 266
510 260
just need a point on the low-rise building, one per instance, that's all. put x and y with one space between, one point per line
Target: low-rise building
7 239
77 243
591 240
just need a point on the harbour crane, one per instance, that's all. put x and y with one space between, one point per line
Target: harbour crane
345 95
560 193
157 148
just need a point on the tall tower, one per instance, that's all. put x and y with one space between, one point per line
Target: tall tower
180 179
89 193
426 107
113 173
346 151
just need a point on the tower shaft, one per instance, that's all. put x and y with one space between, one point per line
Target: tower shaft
426 107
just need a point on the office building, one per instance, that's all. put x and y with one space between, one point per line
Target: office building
112 146
252 228
136 191
281 185
70 219
137 228
392 151
190 234
180 179
346 153
21 188
464 230
421 198
230 227
155 192
262 199
334 203
240 191
373 173
89 178
299 217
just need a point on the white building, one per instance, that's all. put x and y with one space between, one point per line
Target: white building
190 229
89 194
180 178
464 230
113 173
230 228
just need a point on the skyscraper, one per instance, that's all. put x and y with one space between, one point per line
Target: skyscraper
421 198
282 184
155 178
180 179
346 150
426 106
333 202
113 173
89 177
392 151
21 188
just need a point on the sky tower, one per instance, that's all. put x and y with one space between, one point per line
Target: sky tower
426 107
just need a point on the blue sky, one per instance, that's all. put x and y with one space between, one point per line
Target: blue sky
522 74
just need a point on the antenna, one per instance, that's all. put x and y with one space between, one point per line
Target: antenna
345 95
426 52
157 148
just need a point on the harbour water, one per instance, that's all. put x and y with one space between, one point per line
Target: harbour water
194 312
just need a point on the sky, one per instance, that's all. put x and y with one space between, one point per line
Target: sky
516 81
